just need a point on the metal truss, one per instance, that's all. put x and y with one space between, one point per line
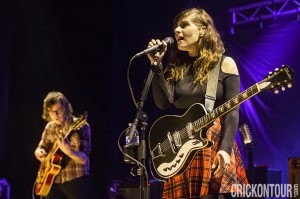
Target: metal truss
260 11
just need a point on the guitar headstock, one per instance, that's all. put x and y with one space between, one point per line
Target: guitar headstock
245 131
80 121
281 77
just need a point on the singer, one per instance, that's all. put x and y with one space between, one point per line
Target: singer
183 82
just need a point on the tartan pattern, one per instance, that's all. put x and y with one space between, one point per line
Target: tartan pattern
196 182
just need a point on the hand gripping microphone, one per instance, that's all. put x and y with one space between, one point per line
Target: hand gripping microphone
155 48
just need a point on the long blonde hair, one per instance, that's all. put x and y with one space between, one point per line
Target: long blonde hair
210 48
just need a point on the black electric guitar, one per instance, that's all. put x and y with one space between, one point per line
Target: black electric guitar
174 139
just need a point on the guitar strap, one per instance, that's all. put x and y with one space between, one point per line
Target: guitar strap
211 89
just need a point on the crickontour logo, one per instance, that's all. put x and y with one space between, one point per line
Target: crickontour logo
265 190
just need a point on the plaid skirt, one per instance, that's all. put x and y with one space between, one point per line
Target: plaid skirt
196 181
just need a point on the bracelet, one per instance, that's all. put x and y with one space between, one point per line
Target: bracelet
157 69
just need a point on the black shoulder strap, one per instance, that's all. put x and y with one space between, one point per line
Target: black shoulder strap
211 89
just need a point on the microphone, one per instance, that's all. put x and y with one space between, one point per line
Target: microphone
155 48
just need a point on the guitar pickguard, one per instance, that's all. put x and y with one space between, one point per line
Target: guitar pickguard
169 169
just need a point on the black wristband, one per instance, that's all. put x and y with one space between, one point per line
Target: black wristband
157 69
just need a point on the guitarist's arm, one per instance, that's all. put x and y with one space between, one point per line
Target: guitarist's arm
44 144
78 152
66 148
231 119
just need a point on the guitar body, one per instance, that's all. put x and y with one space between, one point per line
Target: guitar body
48 170
173 142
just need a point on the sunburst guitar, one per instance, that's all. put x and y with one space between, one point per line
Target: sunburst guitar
174 139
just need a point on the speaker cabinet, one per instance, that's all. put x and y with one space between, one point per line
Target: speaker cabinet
294 172
120 189
263 175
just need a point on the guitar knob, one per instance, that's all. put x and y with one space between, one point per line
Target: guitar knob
276 91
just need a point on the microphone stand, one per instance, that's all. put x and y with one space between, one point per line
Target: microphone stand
140 118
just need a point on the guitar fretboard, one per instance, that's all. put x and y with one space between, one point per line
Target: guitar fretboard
226 107
210 117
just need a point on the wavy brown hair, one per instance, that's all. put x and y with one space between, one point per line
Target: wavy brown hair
52 98
210 48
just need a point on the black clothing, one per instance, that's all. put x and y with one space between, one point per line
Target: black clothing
184 93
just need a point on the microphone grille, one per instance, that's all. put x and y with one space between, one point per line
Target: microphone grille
169 40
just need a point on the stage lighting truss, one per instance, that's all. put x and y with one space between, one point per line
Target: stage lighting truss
261 11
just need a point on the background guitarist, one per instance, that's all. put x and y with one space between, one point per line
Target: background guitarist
72 182
182 83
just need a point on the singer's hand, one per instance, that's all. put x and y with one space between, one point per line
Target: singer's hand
157 56
219 166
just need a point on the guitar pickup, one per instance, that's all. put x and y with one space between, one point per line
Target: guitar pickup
177 139
171 141
190 130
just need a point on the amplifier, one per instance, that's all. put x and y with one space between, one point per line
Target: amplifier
263 175
294 172
120 189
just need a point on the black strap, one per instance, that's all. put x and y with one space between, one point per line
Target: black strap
211 89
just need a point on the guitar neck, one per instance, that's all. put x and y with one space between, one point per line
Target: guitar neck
226 107
55 147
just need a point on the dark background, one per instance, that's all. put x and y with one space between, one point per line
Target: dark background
83 48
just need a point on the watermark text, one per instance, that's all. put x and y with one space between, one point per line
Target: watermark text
264 190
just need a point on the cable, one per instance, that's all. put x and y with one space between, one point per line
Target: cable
33 195
133 159
129 84
33 192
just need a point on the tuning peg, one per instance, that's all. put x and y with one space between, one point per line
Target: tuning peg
276 69
276 91
289 85
270 72
283 88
